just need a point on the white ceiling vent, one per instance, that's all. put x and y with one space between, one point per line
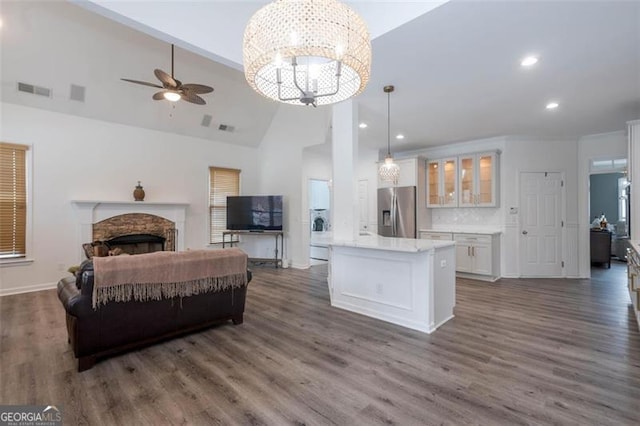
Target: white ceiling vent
34 90
77 93
226 128
206 120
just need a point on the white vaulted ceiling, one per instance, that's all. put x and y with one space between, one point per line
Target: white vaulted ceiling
455 67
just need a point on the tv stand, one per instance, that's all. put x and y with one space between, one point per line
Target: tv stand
277 259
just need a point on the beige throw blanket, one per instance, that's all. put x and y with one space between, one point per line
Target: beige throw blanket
167 274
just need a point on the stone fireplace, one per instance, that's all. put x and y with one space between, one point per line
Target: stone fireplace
136 233
129 223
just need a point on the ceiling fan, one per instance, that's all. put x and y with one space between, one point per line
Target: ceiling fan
172 89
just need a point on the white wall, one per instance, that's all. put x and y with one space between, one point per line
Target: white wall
281 171
82 159
368 170
529 154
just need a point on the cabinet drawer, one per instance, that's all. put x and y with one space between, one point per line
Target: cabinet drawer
472 238
436 236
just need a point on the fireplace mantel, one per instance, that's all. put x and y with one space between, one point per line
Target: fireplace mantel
89 212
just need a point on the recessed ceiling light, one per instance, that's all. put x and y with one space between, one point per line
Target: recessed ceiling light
363 125
529 61
552 105
400 136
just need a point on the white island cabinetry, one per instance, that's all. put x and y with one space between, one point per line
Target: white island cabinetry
409 282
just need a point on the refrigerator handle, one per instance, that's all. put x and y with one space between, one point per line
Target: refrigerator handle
394 213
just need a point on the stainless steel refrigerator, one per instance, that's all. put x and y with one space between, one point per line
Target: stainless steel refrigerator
397 212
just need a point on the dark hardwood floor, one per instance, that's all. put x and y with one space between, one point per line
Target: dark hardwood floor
518 352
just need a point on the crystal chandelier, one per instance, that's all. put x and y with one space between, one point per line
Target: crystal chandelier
307 52
389 171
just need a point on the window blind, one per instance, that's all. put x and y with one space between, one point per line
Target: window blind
13 200
222 184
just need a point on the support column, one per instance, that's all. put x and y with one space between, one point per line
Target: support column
633 166
345 171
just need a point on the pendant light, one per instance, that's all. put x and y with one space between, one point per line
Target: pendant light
307 52
389 171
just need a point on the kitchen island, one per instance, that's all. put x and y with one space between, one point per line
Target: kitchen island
409 282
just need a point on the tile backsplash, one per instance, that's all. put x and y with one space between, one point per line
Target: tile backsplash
463 217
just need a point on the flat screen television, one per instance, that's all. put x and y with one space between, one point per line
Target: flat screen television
254 213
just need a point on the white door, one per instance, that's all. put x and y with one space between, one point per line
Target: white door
541 224
363 203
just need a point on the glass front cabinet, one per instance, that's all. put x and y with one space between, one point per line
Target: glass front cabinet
442 182
463 181
478 178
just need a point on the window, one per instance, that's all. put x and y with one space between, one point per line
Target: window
222 184
13 200
622 199
609 165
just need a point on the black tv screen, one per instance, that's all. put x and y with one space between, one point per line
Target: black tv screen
254 213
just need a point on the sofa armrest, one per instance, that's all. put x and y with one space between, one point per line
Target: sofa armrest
74 301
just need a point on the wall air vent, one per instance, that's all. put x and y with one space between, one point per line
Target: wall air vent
206 120
77 93
34 90
226 128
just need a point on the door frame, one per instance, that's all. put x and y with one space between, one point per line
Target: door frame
563 218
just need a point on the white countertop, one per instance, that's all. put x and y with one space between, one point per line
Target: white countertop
464 230
377 242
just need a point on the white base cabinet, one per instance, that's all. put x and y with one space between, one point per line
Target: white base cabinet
633 274
477 255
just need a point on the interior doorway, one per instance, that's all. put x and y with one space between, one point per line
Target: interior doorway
320 220
609 213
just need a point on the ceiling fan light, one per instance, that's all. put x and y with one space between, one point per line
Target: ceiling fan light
172 96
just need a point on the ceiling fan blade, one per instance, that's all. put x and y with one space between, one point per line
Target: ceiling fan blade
142 82
165 78
193 98
158 96
197 88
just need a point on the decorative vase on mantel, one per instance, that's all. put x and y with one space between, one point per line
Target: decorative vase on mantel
138 193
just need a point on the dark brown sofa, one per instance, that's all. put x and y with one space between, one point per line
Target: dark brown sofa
120 326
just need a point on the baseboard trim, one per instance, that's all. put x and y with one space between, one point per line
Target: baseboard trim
26 289
296 265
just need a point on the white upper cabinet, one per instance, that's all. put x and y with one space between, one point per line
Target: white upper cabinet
478 180
442 182
408 174
463 181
